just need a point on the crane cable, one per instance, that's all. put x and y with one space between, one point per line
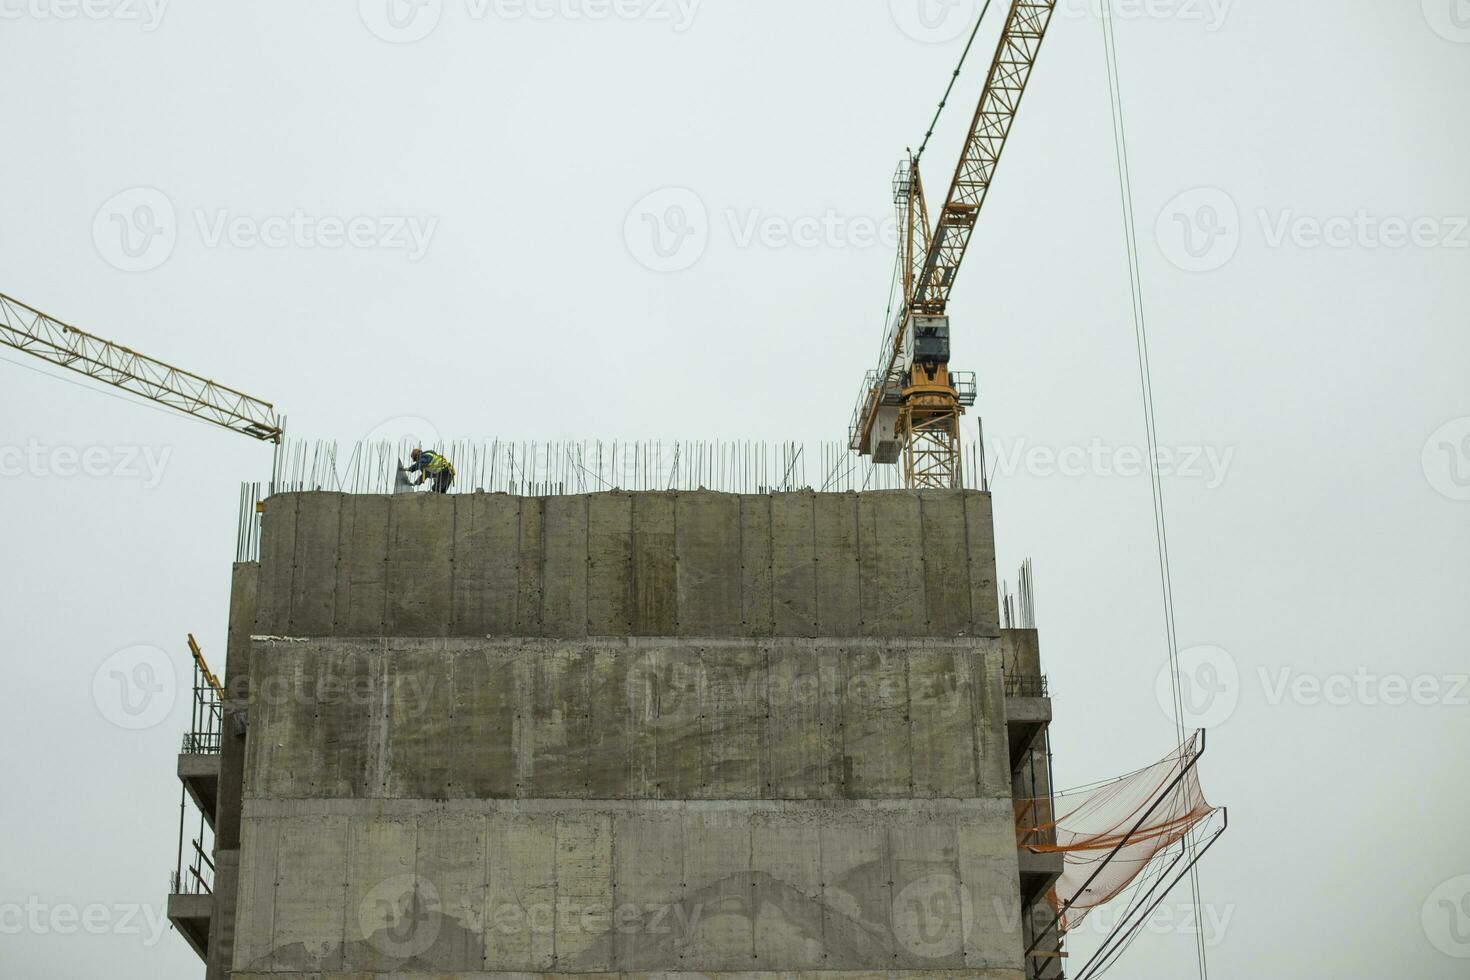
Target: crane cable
1140 326
953 79
933 124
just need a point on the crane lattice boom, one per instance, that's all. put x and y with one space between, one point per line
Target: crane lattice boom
28 329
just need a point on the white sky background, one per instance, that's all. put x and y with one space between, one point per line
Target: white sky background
1330 542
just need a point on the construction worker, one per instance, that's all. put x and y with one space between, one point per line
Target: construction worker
433 467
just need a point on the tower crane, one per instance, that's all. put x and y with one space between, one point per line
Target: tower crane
28 329
910 406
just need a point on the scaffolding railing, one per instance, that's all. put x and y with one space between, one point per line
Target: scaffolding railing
1019 685
206 708
196 876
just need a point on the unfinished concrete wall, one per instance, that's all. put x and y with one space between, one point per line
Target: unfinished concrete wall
645 735
887 564
480 888
628 719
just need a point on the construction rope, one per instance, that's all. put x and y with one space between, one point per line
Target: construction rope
1140 325
953 79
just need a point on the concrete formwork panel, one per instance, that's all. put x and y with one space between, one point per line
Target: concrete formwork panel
838 570
420 569
655 577
487 531
757 611
278 556
610 595
530 566
315 561
707 551
381 898
890 529
793 565
520 891
980 541
564 567
946 563
360 595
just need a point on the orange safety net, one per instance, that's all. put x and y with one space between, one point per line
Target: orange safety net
1102 830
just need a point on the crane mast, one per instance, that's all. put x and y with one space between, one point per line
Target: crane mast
28 329
910 406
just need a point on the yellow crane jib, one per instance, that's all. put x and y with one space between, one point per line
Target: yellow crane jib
28 329
203 666
909 407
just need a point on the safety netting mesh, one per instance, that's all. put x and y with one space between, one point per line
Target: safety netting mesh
1111 833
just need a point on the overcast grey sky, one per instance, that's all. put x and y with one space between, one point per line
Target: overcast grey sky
664 219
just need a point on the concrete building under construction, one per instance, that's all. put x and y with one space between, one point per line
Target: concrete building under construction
657 734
